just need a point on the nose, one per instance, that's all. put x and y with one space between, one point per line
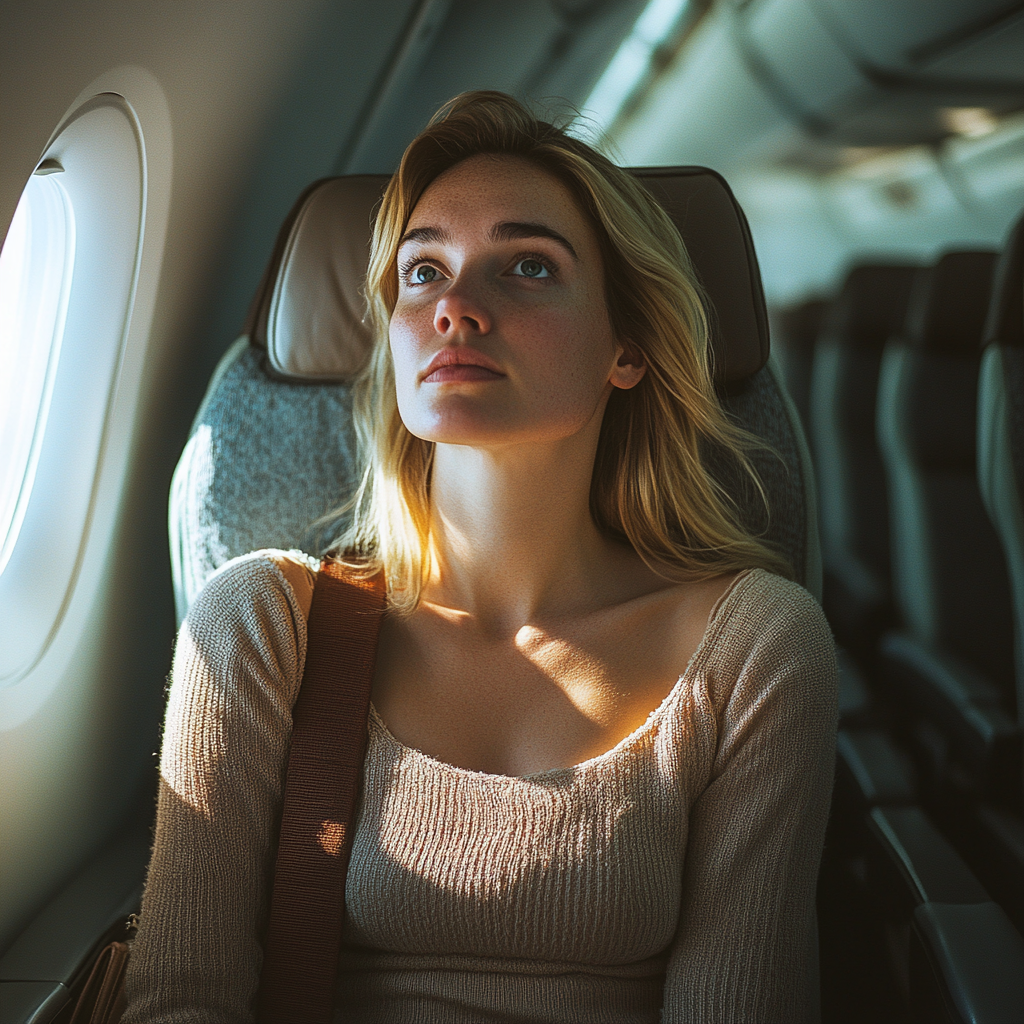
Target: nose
457 310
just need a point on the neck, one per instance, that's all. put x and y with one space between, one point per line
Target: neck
512 533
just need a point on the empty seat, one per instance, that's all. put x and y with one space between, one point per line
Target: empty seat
869 310
1001 478
271 450
949 575
954 655
964 962
951 666
1001 429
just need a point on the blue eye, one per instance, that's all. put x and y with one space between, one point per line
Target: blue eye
531 268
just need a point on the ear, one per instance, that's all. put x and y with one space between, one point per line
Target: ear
629 367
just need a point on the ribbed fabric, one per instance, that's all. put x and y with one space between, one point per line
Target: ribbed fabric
670 878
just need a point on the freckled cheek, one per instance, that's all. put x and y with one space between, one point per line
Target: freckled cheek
568 355
408 339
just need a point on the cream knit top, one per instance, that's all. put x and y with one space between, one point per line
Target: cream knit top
671 878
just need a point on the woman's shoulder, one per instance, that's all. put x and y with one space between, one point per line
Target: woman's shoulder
766 632
765 604
246 631
249 586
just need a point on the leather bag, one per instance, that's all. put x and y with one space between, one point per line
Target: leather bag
328 746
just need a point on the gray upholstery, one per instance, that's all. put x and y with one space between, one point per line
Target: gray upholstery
271 450
765 408
1001 429
870 309
949 575
265 460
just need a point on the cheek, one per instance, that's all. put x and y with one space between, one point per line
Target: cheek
404 336
582 353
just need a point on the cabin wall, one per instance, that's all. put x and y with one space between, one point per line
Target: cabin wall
260 96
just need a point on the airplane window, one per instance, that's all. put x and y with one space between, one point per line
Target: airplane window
69 284
35 277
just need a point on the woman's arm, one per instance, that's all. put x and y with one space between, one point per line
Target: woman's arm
746 948
237 668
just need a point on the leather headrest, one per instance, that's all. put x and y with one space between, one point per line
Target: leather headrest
950 303
1005 324
308 311
871 307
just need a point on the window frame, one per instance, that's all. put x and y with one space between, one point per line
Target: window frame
101 148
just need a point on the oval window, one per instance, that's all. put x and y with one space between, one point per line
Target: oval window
35 277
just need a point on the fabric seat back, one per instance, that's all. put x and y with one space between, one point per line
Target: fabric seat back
854 517
1001 428
272 446
949 575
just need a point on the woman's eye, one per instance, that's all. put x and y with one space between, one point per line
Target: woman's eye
424 274
531 268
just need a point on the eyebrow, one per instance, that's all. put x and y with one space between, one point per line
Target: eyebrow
436 235
506 231
509 230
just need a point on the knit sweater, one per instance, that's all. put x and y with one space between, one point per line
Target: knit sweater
669 878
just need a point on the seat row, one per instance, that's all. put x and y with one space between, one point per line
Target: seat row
911 386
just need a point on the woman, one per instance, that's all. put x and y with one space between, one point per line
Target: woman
601 737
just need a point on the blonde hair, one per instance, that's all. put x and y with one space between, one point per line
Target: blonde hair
650 487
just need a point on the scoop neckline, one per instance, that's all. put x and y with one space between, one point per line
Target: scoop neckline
716 618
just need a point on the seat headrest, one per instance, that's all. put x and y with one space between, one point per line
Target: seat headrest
308 311
871 306
950 303
1005 324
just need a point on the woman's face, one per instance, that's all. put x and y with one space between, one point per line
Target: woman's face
501 332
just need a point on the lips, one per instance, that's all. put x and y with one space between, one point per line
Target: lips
453 365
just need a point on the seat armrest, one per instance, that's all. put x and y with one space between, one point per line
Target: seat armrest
871 770
32 1002
961 702
910 862
48 960
966 964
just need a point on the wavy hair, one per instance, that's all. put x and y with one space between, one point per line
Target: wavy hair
651 485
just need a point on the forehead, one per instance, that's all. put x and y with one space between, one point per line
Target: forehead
487 189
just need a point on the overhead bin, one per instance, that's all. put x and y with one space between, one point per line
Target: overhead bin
875 73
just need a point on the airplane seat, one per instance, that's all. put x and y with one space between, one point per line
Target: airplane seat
953 658
272 451
795 331
950 668
1001 479
870 308
1001 429
271 448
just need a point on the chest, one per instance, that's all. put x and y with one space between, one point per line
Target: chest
573 866
518 705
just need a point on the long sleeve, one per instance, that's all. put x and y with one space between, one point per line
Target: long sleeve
746 945
237 668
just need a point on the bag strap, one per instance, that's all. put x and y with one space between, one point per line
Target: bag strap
329 733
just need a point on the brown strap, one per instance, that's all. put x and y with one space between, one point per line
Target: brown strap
102 1000
307 907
